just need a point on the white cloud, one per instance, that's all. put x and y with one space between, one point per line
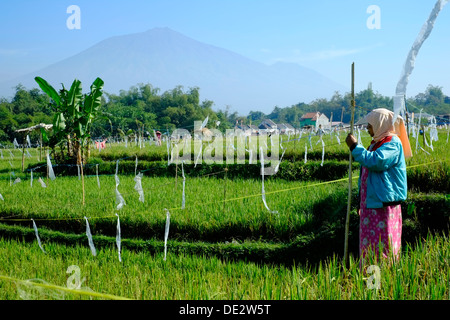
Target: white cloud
298 55
12 52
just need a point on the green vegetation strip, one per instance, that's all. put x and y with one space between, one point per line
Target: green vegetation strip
423 273
54 287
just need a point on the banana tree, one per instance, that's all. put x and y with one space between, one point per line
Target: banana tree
74 114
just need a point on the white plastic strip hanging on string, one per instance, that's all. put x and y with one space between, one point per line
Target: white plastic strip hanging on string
448 132
37 236
426 141
78 168
323 153
51 174
28 142
135 166
263 192
1 197
337 137
418 129
250 156
31 179
306 152
359 137
424 150
96 173
199 153
1 153
183 200
16 145
166 233
168 150
281 158
118 238
279 161
43 185
89 236
204 123
138 186
408 67
119 199
433 130
17 181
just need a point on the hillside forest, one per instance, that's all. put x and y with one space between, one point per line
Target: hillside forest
143 107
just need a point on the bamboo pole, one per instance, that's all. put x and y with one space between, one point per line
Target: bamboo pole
176 175
23 153
407 116
347 221
80 160
40 147
225 189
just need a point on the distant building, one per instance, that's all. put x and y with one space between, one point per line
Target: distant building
314 119
338 124
267 126
443 119
285 128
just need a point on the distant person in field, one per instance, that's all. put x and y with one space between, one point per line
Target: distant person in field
382 183
158 138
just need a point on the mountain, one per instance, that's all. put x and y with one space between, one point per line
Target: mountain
165 59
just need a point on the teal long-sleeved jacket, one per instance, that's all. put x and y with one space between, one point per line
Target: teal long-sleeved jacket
386 181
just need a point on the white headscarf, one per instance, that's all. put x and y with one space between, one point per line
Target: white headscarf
381 121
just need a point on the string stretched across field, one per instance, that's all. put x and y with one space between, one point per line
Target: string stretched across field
118 236
219 201
64 289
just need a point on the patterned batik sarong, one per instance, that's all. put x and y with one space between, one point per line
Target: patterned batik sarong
380 229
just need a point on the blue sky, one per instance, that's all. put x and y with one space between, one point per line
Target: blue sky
326 36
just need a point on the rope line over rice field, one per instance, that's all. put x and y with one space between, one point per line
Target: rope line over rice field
65 289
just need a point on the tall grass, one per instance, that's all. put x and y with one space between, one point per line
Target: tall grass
421 274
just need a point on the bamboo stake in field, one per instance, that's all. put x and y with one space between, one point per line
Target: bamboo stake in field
176 175
80 160
23 153
225 189
347 221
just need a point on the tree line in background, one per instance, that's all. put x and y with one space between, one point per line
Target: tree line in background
143 108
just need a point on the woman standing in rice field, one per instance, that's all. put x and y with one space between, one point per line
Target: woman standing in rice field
382 183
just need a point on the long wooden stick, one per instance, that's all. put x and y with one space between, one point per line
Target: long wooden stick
80 160
23 154
347 221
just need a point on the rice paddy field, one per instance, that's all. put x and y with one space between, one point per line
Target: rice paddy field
222 243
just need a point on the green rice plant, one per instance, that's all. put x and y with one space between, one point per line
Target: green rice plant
421 274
